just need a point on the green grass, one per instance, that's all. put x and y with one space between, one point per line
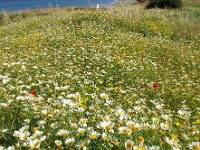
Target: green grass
122 75
192 5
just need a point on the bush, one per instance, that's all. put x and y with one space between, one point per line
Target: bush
142 1
164 4
1 17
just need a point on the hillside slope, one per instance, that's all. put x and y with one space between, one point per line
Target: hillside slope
101 79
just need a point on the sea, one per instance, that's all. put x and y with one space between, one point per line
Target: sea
14 5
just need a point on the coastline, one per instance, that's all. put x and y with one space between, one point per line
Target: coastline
6 6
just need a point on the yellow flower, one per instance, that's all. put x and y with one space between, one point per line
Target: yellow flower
140 139
197 122
16 133
24 136
35 144
130 124
82 102
93 135
105 137
62 132
69 141
129 144
81 130
34 129
17 145
129 131
122 130
194 145
104 96
175 138
58 143
83 122
82 144
114 141
139 147
155 120
164 126
73 105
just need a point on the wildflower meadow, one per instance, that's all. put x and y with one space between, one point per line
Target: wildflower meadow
116 78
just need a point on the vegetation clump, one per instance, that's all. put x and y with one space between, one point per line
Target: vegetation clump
164 4
142 1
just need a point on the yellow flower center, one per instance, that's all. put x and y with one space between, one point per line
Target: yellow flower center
129 145
140 139
93 136
83 144
106 138
195 147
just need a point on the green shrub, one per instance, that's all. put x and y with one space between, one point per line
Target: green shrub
1 17
142 1
164 4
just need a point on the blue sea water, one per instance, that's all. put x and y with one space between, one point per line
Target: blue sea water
12 5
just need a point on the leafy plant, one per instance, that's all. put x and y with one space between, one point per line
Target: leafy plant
164 4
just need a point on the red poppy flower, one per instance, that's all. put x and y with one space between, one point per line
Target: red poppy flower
155 84
32 92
